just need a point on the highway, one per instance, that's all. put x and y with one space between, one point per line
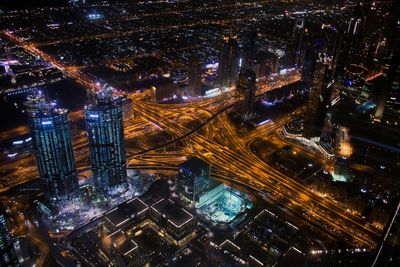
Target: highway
230 154
218 143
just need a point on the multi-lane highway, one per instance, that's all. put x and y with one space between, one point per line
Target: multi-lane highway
228 152
218 143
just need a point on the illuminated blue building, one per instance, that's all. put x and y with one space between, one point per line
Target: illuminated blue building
8 256
193 179
52 144
105 130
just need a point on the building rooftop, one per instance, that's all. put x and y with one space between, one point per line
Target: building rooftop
194 165
174 214
123 243
126 211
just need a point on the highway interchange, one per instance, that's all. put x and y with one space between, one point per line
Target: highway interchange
215 141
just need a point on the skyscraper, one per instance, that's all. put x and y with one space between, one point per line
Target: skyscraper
105 130
229 61
319 97
8 256
388 104
193 179
245 91
298 43
52 146
194 76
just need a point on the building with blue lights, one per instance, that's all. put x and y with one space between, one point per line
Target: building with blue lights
193 179
105 130
8 257
52 145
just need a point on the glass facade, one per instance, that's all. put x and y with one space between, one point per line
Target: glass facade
52 147
8 256
193 179
229 61
246 89
105 130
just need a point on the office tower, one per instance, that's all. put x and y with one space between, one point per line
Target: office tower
363 36
388 103
353 35
250 50
8 257
319 96
386 253
246 84
127 109
194 76
105 130
298 43
245 92
193 179
52 146
229 61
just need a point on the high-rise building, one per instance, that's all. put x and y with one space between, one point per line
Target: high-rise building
388 103
194 76
245 92
326 40
298 43
319 96
229 61
105 131
363 36
193 179
8 257
127 109
52 143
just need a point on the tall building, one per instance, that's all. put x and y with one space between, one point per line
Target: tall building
8 257
229 61
319 96
388 103
386 253
298 43
245 92
353 31
194 76
105 130
53 151
363 35
193 179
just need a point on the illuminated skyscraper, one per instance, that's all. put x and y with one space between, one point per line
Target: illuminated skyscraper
8 256
194 76
52 146
193 179
105 130
229 61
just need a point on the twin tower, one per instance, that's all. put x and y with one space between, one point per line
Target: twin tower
53 150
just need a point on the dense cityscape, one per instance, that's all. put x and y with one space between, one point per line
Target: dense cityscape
199 133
